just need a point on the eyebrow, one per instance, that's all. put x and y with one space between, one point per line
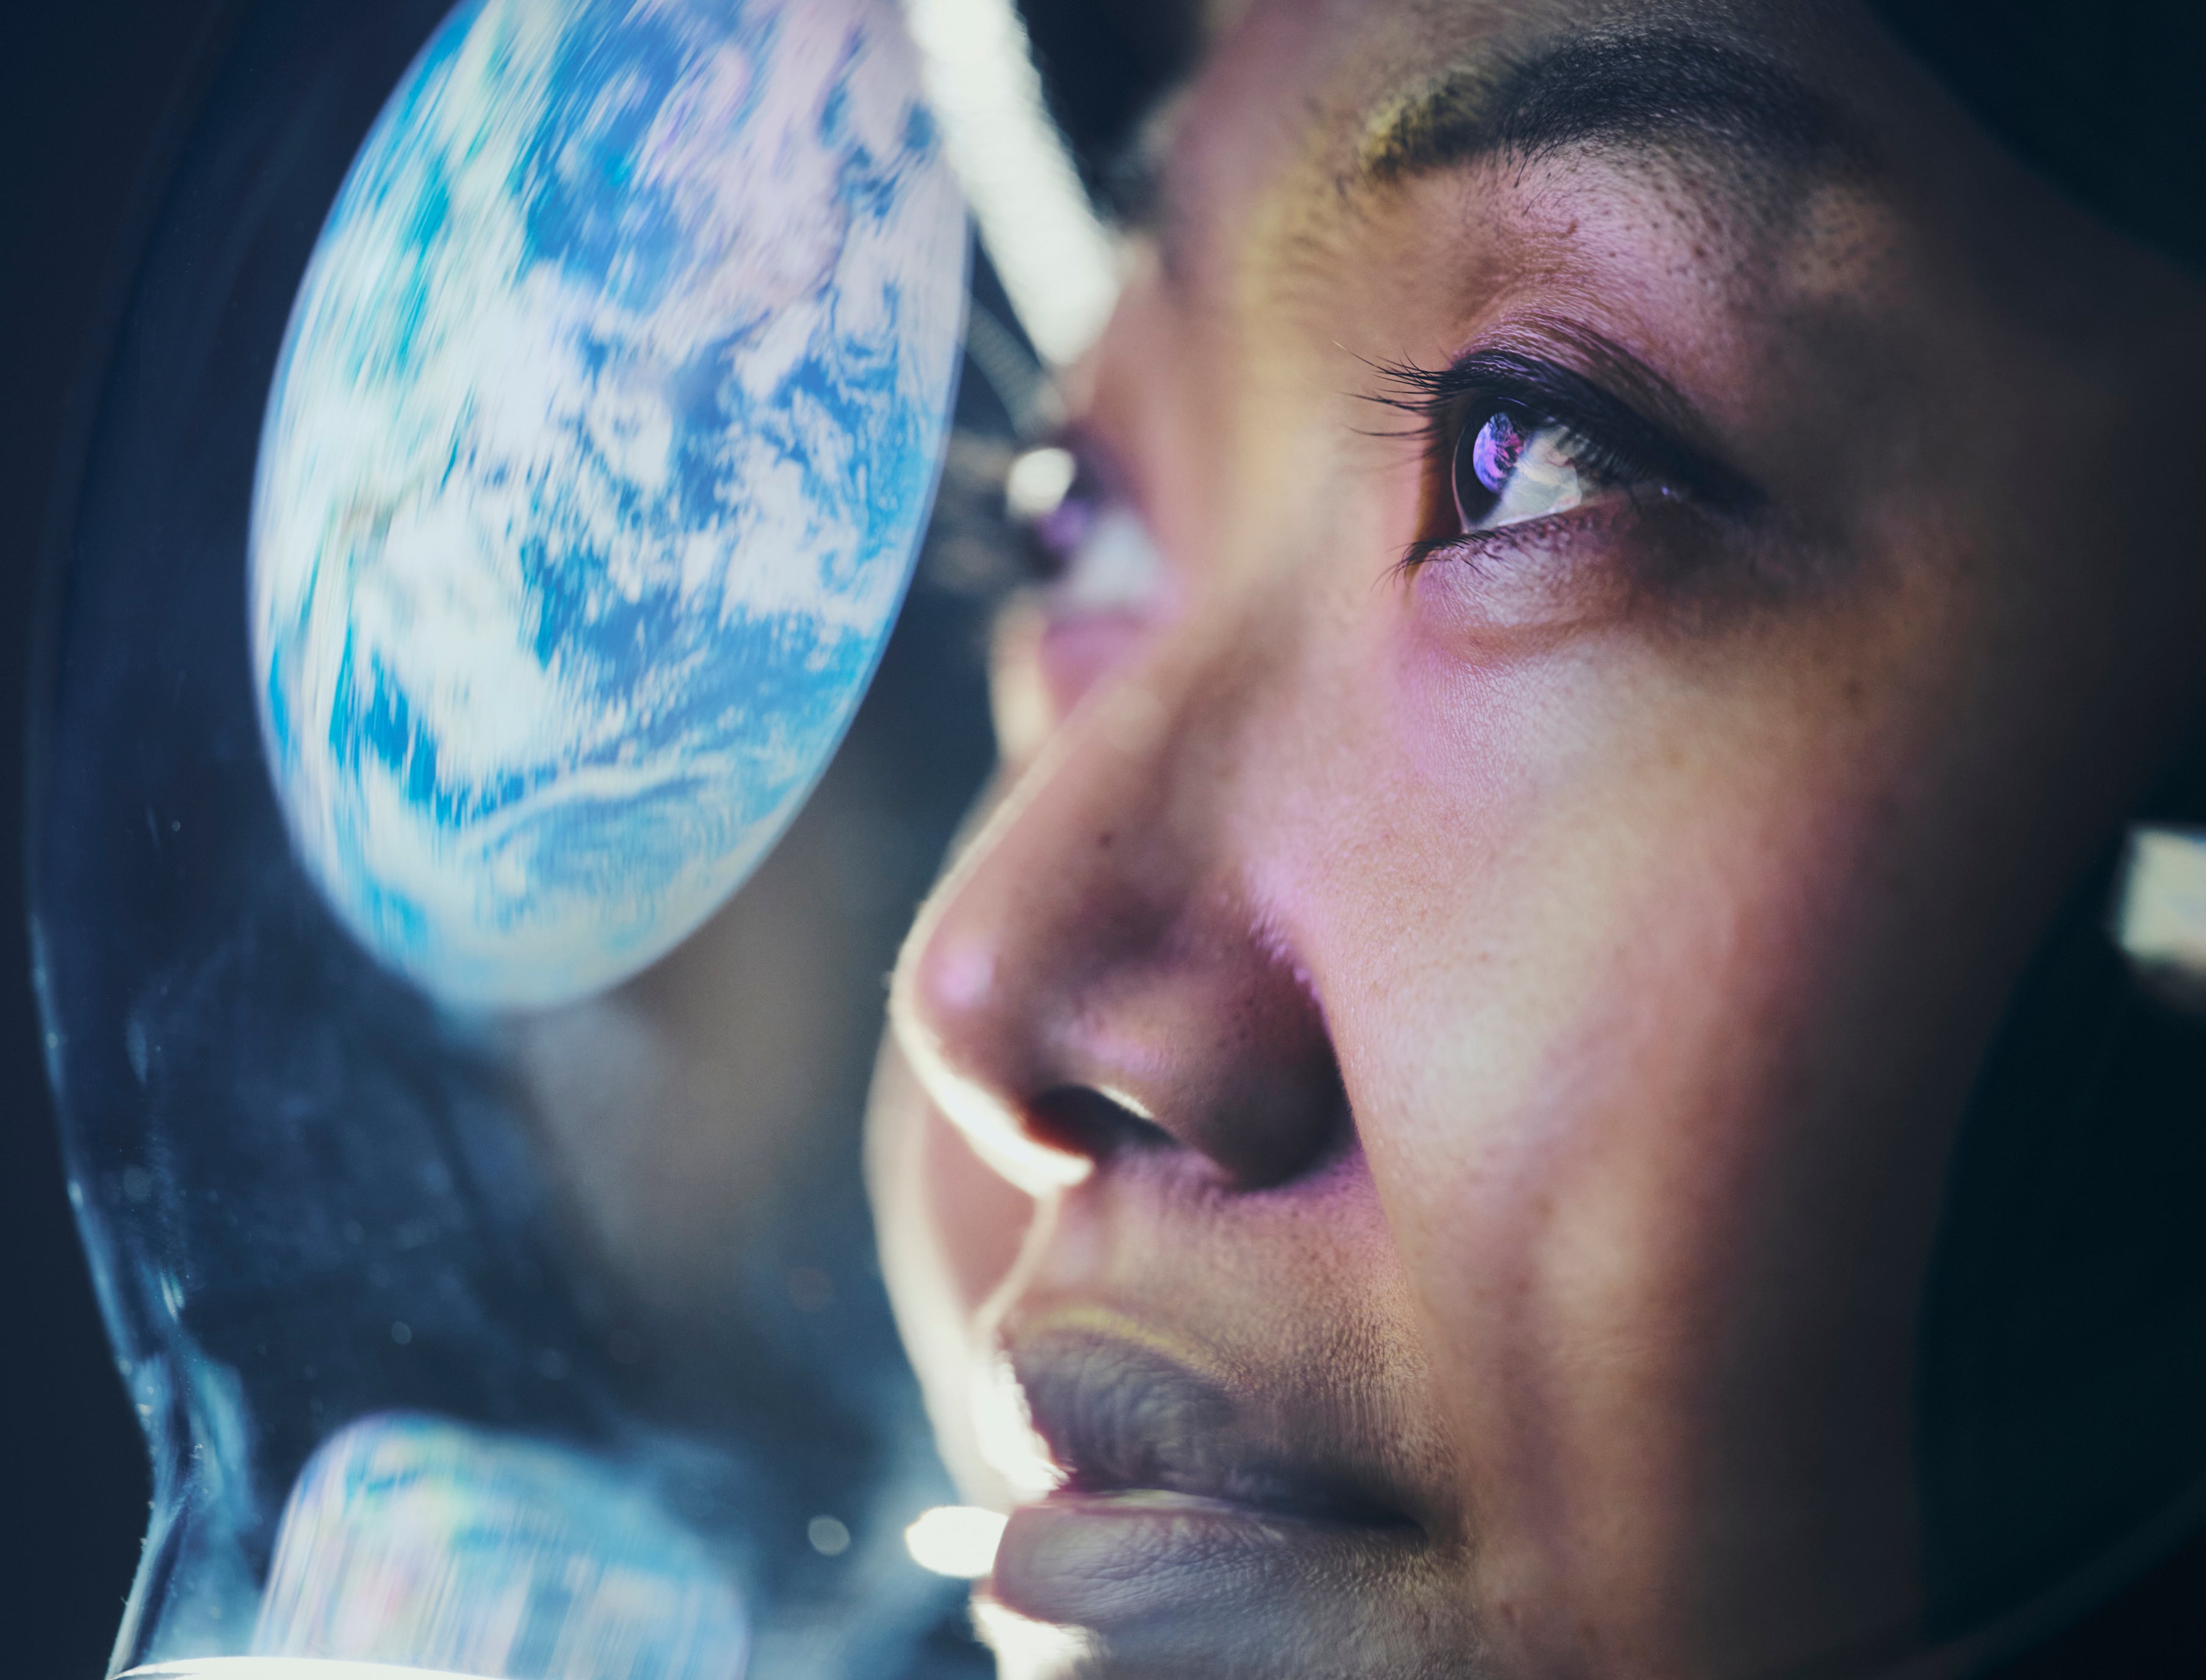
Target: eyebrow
1642 92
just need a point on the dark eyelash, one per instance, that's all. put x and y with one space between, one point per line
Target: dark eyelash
1617 441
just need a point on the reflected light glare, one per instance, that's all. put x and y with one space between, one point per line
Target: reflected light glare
1033 1650
1017 1156
1003 1431
1049 248
1037 482
958 1540
2162 917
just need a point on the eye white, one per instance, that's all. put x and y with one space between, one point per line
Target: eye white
1114 567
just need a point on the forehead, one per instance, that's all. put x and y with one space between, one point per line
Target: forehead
1310 112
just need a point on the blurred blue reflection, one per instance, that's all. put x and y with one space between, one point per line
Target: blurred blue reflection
411 1540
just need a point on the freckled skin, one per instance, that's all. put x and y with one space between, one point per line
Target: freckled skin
1554 981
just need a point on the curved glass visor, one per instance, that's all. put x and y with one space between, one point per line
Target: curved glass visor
522 434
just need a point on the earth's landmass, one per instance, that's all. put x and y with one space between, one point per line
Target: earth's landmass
603 438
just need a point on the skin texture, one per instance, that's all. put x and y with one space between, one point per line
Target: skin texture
1447 1071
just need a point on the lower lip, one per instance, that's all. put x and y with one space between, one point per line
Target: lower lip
1161 1562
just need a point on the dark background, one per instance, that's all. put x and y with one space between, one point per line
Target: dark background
84 89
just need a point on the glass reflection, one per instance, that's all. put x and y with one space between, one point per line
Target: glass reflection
488 1309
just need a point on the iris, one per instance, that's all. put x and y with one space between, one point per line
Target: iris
1510 470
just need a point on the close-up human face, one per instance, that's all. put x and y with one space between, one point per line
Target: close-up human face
1623 560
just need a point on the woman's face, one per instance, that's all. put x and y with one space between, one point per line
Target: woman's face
1625 559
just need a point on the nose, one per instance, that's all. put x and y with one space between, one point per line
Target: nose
1099 971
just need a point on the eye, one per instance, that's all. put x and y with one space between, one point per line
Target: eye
1515 466
1513 441
1086 546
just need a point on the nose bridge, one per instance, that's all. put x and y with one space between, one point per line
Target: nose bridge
1100 935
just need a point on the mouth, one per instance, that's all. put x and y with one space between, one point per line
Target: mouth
1192 1529
1126 1425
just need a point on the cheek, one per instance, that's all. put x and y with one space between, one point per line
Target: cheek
1610 979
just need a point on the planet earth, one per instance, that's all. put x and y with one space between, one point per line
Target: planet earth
600 446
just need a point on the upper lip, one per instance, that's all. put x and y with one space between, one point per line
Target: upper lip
1118 1416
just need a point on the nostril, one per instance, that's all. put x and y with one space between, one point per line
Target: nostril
1084 1120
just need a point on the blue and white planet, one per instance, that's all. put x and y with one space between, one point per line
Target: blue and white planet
603 438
